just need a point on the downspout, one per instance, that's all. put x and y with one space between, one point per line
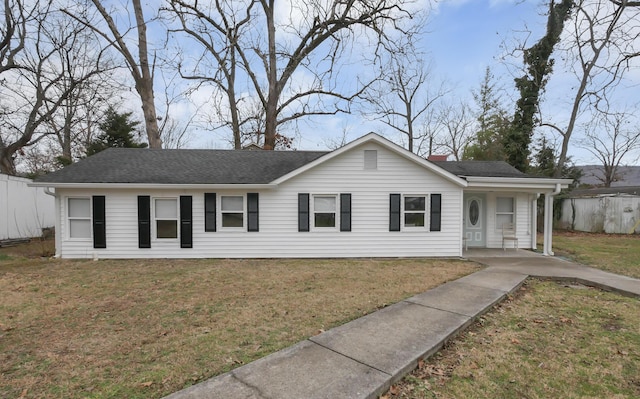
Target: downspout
56 229
548 220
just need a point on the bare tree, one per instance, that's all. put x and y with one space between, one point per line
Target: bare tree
217 28
602 47
404 94
251 41
33 88
72 124
455 128
612 138
141 68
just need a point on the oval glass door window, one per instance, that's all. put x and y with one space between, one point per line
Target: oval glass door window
474 212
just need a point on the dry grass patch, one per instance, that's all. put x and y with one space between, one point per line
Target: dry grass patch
146 328
617 253
553 341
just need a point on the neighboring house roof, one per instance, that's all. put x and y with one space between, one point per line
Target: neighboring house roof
142 165
481 168
608 191
437 158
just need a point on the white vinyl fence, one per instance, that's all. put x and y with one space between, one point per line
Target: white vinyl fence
24 210
608 214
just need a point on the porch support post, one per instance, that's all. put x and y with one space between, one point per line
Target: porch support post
548 224
534 221
548 214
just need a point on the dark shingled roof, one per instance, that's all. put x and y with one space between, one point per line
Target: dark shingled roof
134 165
480 168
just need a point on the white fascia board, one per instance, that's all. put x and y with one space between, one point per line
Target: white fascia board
517 183
374 137
149 186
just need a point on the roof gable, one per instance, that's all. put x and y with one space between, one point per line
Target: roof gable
373 137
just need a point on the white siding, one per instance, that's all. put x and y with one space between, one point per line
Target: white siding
522 219
278 216
24 211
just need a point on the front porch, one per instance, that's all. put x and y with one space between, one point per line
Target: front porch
488 206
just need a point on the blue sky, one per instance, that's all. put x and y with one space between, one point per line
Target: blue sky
462 38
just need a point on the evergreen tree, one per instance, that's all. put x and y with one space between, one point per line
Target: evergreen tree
492 123
544 163
118 130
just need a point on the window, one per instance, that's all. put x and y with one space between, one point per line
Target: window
414 211
505 211
166 217
79 215
324 211
232 211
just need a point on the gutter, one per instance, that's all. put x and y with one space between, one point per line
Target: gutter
137 186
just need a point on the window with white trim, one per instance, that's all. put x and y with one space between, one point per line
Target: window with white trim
166 217
415 210
505 211
324 211
79 216
232 211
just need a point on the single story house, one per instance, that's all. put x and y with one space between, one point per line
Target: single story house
369 198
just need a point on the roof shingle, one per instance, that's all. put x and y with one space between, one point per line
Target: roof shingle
480 168
133 165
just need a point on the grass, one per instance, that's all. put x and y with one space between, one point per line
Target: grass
550 341
617 253
146 328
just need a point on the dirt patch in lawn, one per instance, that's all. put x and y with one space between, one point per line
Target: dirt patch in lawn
146 328
552 341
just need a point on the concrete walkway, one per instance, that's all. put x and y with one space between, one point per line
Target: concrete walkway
362 358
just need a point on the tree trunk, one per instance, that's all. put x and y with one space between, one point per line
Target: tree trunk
271 108
145 85
7 166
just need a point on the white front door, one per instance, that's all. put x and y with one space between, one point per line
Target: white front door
474 220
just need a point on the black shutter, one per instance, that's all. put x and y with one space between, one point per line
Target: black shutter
394 212
186 223
209 211
303 212
144 221
99 222
345 212
436 206
252 212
